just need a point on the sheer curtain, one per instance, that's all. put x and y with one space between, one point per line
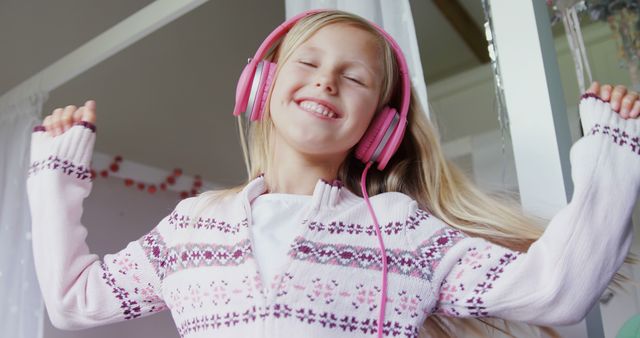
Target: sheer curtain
394 16
21 309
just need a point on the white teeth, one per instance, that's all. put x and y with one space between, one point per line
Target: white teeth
318 108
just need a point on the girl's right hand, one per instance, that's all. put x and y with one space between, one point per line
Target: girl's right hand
61 119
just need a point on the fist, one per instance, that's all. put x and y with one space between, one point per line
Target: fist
622 101
61 119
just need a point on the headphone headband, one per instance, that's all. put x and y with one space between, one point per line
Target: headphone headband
283 28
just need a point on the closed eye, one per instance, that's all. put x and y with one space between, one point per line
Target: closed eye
354 80
307 63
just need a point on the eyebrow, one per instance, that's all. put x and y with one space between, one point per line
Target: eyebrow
354 61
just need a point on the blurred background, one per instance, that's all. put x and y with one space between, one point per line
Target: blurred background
164 106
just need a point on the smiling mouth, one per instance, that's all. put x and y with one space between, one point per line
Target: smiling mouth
318 109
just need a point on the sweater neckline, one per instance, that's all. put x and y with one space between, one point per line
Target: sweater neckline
325 194
282 197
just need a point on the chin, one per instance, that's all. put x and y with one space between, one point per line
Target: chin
319 148
312 148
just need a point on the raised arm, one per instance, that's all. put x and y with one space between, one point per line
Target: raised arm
79 290
563 274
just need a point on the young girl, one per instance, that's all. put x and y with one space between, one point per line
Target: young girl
296 250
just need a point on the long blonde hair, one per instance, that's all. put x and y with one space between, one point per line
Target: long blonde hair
418 169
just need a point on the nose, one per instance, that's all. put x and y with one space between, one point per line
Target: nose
326 82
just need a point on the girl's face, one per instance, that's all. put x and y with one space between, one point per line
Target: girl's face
326 93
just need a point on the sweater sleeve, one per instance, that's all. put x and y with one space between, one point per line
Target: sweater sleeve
78 288
563 274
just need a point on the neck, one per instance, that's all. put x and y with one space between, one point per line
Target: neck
298 173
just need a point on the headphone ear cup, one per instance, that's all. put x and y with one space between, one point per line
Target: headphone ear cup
372 137
382 138
242 89
264 87
253 88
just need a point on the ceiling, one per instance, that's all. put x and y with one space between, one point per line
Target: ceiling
166 101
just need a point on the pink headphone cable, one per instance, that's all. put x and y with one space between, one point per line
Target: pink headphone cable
383 302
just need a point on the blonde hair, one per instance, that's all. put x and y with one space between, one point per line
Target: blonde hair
418 169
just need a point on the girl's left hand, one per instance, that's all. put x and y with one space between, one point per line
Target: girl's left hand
626 103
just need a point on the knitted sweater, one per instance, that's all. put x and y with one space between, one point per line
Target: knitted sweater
330 286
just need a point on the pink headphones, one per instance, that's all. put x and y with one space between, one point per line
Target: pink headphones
385 132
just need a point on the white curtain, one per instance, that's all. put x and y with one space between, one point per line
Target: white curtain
394 16
21 306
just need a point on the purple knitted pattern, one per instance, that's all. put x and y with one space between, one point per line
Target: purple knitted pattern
180 221
328 320
617 136
156 250
335 183
85 124
420 263
130 308
587 95
188 256
475 304
65 166
391 228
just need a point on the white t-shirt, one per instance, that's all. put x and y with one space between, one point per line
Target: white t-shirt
276 222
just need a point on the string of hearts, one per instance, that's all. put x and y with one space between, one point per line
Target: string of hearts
150 188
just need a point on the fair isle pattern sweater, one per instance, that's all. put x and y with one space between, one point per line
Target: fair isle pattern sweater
331 283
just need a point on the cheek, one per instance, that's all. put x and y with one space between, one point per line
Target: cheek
280 96
367 106
364 120
277 99
276 91
360 124
282 89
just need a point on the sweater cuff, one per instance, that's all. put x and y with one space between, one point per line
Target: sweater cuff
69 153
598 118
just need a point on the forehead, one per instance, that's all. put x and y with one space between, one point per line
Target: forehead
347 42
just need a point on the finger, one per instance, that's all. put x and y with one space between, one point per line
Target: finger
66 119
77 114
627 103
55 122
46 123
594 88
635 111
605 92
48 119
89 113
616 97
